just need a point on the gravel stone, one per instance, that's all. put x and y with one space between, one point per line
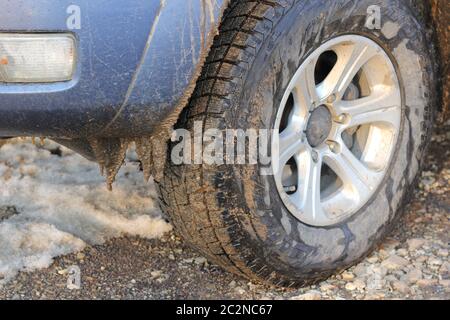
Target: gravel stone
413 276
311 295
414 244
401 287
423 283
395 262
359 284
348 276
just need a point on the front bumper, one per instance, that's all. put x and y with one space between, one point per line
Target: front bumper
135 63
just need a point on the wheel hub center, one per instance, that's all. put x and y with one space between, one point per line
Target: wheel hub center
319 126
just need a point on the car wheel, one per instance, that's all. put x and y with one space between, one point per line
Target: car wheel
350 110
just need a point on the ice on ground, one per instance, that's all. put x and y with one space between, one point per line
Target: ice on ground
53 205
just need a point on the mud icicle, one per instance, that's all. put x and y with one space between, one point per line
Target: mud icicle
152 154
110 154
144 150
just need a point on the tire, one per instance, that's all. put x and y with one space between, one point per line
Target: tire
233 214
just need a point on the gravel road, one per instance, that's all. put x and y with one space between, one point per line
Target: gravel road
412 264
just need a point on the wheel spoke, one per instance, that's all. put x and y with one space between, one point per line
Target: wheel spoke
305 90
353 173
351 58
290 144
384 107
307 197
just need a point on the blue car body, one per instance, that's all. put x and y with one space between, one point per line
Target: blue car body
136 60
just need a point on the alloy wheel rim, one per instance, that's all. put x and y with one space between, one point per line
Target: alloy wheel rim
336 130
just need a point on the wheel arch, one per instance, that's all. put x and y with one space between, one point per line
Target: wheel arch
177 47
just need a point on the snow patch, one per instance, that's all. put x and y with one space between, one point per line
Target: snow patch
63 204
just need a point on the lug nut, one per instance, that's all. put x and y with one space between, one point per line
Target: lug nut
342 118
331 98
334 146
